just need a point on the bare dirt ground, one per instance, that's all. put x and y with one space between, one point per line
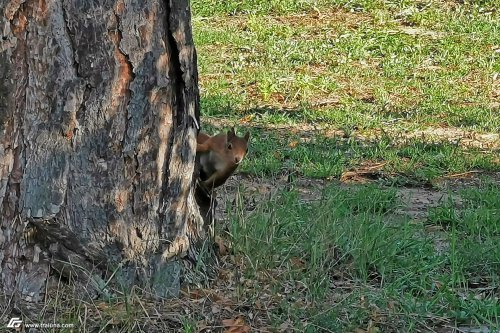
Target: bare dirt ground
223 302
461 137
416 201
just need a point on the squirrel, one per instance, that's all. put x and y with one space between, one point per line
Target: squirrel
219 156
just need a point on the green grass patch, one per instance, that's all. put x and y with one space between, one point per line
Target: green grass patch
390 267
409 162
378 71
426 64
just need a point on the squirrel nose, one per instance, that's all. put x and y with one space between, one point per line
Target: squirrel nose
237 159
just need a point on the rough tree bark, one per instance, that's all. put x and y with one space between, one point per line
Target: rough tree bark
98 115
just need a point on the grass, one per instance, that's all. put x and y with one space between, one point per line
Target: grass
317 154
358 66
424 66
400 93
389 265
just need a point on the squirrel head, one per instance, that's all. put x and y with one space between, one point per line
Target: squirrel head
236 147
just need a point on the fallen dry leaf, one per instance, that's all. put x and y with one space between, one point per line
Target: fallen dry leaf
102 306
247 119
226 275
437 284
236 325
366 171
197 293
220 299
297 262
223 249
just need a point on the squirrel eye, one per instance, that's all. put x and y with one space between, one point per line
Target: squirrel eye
229 146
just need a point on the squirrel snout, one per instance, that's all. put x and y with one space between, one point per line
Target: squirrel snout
237 159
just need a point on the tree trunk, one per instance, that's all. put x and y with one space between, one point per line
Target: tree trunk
99 109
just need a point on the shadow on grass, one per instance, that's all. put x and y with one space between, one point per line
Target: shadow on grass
305 149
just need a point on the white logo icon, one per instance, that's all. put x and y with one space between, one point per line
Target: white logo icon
14 323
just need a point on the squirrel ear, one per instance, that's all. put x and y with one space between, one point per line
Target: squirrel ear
231 133
247 136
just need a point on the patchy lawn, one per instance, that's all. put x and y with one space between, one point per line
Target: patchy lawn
370 199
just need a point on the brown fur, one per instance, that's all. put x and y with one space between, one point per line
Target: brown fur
219 156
